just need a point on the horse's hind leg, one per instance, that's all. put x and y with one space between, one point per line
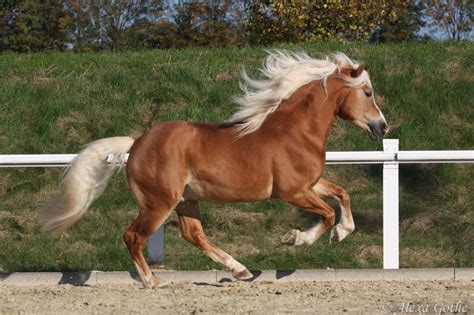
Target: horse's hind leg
150 218
346 225
191 228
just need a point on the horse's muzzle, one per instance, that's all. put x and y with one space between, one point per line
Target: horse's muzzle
378 129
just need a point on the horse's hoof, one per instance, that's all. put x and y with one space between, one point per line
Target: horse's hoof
155 283
334 238
161 284
338 233
290 238
243 275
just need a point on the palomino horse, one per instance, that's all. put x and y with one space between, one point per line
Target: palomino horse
273 147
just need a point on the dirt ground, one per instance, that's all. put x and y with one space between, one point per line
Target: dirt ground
241 297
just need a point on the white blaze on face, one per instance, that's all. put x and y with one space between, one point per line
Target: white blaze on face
378 108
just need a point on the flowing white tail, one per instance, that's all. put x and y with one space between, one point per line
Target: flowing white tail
84 181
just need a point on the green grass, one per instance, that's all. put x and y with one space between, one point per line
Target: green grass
57 102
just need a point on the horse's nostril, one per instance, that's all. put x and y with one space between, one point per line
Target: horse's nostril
384 127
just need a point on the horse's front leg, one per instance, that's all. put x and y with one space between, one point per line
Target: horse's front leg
311 202
346 225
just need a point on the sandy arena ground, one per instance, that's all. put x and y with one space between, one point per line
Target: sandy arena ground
241 297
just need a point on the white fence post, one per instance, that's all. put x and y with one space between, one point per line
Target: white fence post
156 247
390 207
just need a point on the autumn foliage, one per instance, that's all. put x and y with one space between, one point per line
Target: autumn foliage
89 25
306 21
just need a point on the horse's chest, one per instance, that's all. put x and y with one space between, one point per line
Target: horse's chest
298 168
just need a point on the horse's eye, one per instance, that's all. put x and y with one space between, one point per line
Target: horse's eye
368 94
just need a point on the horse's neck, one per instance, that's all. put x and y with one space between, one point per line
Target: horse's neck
307 115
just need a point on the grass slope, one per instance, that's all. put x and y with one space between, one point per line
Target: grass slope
57 102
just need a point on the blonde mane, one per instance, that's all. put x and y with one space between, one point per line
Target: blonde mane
283 73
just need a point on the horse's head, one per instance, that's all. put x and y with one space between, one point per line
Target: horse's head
358 103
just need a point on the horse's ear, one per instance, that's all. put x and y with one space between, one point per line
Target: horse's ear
357 72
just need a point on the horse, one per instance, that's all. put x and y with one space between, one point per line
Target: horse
273 147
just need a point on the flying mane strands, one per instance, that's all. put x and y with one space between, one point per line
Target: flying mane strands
284 72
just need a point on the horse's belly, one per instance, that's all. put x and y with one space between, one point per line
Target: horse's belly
222 193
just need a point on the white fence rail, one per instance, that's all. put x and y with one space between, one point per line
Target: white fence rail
390 157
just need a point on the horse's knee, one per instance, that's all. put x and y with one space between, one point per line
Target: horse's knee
199 237
132 239
342 195
194 236
129 237
329 220
188 236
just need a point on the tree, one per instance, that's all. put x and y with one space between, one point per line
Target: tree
300 21
453 17
197 23
8 14
107 23
403 28
32 25
276 21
